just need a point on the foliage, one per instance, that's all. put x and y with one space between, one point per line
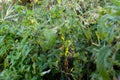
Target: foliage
60 40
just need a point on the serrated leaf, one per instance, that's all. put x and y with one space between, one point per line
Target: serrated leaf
102 61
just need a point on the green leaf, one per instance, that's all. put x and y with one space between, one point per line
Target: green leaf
106 30
1 40
102 61
59 1
87 33
116 2
49 39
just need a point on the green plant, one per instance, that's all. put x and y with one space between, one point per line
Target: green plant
69 40
108 34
